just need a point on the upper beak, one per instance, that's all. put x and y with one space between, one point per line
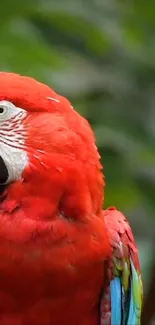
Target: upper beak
3 172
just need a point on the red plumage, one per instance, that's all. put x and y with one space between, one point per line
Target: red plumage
53 238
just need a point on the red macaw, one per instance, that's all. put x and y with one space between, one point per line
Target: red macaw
63 260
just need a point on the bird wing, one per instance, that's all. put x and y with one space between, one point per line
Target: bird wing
121 301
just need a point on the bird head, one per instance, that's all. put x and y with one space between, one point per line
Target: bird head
47 150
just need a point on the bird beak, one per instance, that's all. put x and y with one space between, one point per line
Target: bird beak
4 175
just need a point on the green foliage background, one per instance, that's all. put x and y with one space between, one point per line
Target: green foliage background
101 55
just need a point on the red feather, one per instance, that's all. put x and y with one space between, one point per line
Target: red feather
53 240
53 236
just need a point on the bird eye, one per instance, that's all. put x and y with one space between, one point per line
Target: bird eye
9 110
5 110
2 110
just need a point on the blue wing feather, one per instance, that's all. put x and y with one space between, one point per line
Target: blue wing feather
116 311
120 313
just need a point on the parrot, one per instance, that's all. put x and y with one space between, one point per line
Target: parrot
64 259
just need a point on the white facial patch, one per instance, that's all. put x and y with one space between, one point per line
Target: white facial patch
12 139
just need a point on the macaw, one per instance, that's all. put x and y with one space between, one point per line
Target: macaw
63 259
